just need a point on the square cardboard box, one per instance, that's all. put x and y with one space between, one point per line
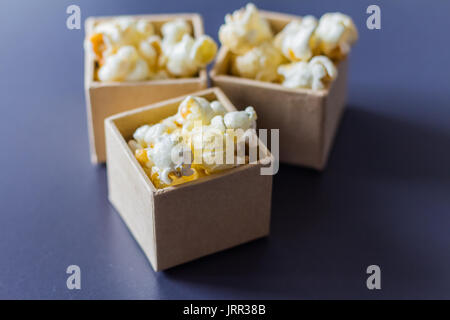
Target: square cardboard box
181 223
105 99
307 119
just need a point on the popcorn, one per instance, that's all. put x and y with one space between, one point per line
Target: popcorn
209 148
296 38
194 109
244 29
209 142
147 135
241 119
218 108
161 158
260 63
108 36
142 157
199 132
218 123
150 50
334 35
314 74
173 32
203 51
186 57
127 49
125 65
144 28
256 54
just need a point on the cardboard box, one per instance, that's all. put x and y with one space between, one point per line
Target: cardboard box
307 119
181 223
105 99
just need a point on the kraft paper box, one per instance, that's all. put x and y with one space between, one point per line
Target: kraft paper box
181 223
307 119
105 99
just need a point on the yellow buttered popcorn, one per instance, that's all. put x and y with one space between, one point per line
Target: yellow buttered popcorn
125 65
308 44
173 32
146 136
295 40
260 63
129 49
244 29
108 36
209 143
191 143
315 74
334 35
194 110
163 158
150 50
187 56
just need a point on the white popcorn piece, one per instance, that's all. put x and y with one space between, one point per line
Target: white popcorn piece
139 135
166 157
296 38
218 108
335 35
218 123
203 51
105 40
239 122
259 63
144 28
126 64
241 119
147 135
244 29
202 138
210 146
193 109
173 32
314 74
150 50
108 36
186 57
139 72
170 123
209 142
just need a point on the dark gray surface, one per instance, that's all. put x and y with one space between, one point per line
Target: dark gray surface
384 198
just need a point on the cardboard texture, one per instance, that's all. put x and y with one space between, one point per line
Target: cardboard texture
105 99
181 223
307 119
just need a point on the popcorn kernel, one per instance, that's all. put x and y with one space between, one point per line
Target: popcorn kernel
141 156
98 46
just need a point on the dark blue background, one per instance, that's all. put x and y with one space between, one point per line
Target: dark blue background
384 199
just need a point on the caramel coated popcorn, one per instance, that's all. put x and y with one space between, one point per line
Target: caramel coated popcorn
193 142
129 49
302 55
